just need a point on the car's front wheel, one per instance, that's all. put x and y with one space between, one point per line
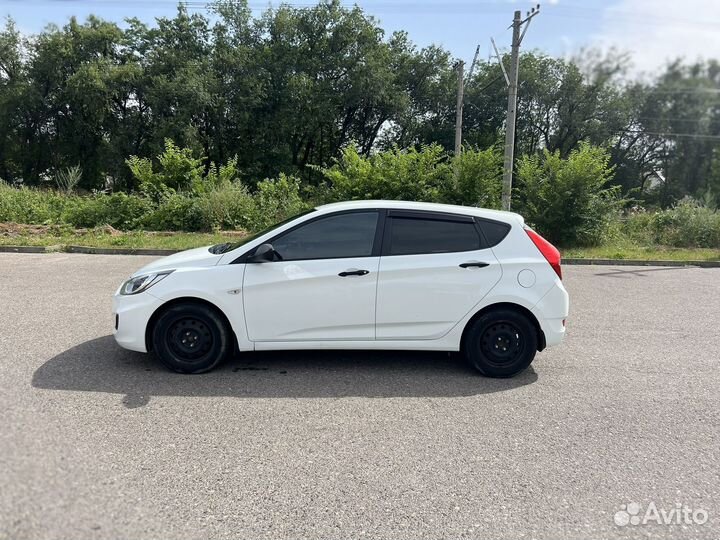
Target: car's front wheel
191 338
501 343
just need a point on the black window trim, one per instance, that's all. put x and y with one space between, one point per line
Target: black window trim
377 241
428 215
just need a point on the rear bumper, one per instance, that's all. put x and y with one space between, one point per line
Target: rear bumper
132 314
554 330
552 312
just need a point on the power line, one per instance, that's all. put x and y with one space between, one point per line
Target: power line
563 11
669 134
685 91
576 12
675 119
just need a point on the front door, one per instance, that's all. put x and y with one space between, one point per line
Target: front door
323 288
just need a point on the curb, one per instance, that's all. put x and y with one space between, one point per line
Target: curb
86 250
23 249
163 252
640 262
118 251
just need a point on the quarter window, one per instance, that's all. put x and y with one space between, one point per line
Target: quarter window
410 235
333 237
494 231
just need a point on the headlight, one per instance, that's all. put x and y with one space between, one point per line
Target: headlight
138 284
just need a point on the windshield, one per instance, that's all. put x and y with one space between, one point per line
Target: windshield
219 249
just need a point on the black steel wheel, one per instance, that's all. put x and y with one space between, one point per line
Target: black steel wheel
191 338
501 343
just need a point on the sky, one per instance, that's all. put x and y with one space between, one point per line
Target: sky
652 31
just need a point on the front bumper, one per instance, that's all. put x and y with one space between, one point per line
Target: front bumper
131 313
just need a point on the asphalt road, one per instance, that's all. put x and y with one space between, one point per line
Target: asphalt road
97 442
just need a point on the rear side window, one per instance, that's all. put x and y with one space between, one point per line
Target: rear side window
332 237
410 236
494 231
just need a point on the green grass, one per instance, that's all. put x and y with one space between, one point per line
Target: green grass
106 237
644 253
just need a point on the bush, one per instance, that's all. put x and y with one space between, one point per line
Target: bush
178 171
411 175
31 206
221 204
478 178
565 199
229 207
568 200
119 210
178 212
688 224
472 179
218 177
276 200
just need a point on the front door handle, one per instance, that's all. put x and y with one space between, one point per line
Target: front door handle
353 272
474 265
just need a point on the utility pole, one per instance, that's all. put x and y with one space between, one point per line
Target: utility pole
511 110
459 107
460 67
474 63
512 81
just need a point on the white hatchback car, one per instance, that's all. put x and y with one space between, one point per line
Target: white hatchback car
355 275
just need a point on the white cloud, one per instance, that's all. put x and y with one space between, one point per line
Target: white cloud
656 31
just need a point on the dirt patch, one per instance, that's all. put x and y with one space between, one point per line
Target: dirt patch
12 230
18 229
239 233
104 229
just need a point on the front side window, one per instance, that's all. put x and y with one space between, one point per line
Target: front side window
410 236
332 237
219 249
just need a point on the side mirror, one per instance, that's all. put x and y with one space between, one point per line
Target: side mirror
263 253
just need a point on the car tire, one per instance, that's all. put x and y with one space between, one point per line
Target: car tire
191 338
501 343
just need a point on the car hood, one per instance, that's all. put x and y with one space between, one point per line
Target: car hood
191 257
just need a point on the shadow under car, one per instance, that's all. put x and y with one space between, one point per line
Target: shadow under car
100 365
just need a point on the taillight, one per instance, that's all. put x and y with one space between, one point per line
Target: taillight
550 252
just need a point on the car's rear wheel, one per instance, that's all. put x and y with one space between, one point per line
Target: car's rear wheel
501 343
191 338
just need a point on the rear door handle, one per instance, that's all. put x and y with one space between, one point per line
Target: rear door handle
474 265
353 272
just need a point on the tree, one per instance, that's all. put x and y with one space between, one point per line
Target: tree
672 134
570 200
13 87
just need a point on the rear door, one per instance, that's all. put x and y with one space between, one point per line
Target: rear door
434 269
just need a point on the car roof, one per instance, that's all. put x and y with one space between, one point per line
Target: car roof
499 215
